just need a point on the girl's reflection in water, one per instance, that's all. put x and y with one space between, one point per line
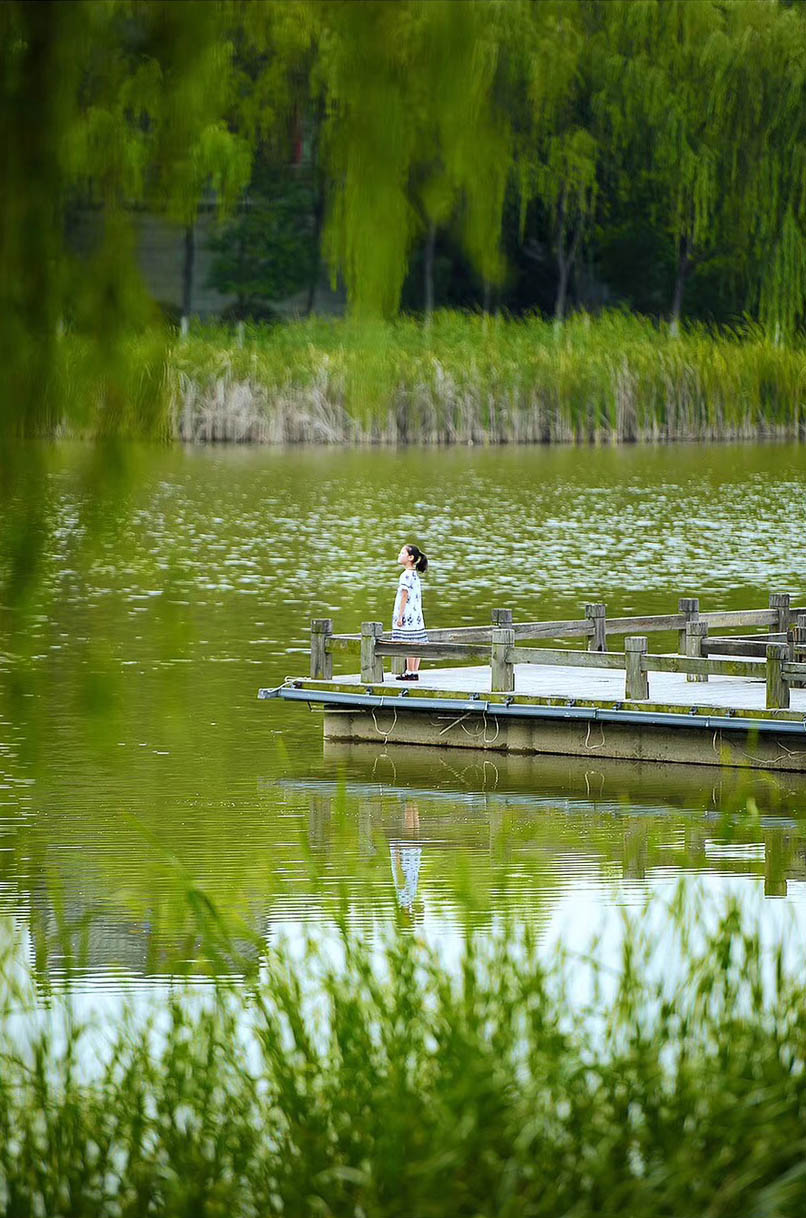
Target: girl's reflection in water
405 855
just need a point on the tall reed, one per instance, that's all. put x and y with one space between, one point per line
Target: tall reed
472 379
386 1086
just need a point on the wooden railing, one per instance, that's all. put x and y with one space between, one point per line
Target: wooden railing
775 657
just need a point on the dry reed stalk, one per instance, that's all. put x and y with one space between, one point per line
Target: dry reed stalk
613 379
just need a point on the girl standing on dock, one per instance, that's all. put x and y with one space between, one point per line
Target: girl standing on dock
408 625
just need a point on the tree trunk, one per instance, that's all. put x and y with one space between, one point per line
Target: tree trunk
316 260
318 213
562 289
187 271
565 262
684 265
565 257
428 271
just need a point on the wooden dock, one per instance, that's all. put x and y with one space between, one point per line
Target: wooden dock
732 693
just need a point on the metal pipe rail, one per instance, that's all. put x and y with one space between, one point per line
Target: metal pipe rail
403 701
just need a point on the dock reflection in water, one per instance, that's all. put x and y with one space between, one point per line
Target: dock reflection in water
610 823
436 849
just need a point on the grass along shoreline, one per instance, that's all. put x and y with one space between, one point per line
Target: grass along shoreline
481 380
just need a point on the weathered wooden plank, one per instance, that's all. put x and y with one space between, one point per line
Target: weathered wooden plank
704 666
798 649
455 634
567 657
502 672
435 651
636 684
523 630
689 606
371 662
781 603
758 636
735 647
695 634
573 659
343 642
596 614
740 617
552 630
321 659
777 687
650 624
721 619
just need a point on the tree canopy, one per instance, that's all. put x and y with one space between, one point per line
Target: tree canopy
522 138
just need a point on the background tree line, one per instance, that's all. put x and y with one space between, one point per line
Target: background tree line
513 154
525 154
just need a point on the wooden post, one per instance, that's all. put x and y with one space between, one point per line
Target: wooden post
502 617
792 654
777 687
371 664
636 685
799 642
781 602
695 633
321 658
690 606
597 613
502 671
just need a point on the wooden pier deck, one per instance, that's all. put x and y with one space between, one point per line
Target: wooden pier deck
585 684
720 699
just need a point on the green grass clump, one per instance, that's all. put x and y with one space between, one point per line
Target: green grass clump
477 379
386 1086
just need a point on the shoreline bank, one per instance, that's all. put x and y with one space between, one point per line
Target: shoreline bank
463 380
248 412
481 380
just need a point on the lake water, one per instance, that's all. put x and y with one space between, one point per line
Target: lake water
142 783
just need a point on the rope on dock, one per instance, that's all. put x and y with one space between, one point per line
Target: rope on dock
782 755
497 730
592 747
385 735
459 722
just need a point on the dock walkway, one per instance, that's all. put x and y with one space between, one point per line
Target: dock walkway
720 699
566 681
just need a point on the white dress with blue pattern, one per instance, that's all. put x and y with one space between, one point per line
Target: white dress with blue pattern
413 628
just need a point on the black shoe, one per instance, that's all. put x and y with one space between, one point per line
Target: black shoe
408 676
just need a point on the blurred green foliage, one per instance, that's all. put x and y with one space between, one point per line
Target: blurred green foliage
379 1082
415 119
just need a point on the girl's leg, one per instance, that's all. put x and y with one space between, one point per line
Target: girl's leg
413 663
